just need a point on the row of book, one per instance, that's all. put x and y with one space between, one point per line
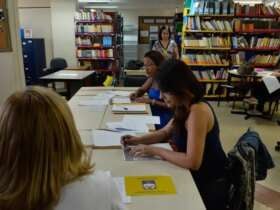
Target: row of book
256 10
92 15
95 53
239 58
208 42
221 74
204 59
267 59
105 41
254 25
225 7
195 23
93 28
255 42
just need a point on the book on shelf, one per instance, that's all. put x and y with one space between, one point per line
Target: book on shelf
207 42
267 59
256 25
94 28
220 74
105 41
204 59
255 42
108 53
196 23
212 7
90 15
258 10
238 58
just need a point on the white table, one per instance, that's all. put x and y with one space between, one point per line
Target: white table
74 80
187 197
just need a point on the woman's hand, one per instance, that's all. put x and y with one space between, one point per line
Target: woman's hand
143 100
141 150
129 140
133 96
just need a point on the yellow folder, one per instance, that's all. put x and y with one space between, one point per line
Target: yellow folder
149 185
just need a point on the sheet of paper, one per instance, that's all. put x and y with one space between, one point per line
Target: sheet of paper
142 119
272 84
129 108
93 102
120 93
102 138
121 187
130 126
121 100
130 157
67 74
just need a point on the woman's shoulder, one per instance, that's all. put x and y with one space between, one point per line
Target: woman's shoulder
86 192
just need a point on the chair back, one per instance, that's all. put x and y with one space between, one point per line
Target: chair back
58 64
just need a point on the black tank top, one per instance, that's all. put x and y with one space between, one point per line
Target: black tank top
214 159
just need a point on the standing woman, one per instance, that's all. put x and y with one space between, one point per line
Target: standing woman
152 61
194 133
165 45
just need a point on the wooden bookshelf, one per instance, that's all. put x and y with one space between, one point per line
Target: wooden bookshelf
258 32
5 37
93 47
255 49
213 80
257 16
207 49
96 59
212 16
94 34
212 32
207 65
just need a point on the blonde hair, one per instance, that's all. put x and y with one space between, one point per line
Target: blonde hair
40 150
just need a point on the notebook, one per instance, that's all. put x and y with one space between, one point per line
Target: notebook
129 108
121 100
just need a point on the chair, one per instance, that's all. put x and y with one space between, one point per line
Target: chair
134 81
57 64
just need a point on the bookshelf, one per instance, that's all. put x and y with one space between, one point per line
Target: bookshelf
5 40
206 43
98 40
256 35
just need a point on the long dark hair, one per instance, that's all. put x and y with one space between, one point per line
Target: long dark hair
155 56
176 78
161 30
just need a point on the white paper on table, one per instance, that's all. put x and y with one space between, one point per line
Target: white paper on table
103 138
272 84
130 126
67 74
120 93
121 100
130 157
93 102
121 187
142 119
129 108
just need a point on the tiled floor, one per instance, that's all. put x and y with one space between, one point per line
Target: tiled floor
232 126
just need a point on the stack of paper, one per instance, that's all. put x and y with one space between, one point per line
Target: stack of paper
120 93
130 157
121 100
111 139
129 108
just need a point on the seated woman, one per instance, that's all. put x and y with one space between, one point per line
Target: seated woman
152 61
44 164
194 134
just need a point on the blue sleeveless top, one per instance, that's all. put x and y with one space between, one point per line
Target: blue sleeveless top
165 114
214 160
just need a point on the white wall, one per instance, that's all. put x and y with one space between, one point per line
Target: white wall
11 67
63 30
39 20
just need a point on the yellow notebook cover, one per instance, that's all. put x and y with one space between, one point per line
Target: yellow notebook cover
149 185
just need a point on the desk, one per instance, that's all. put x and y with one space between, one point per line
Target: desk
74 80
187 197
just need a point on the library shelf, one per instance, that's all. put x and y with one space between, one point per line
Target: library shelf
95 59
93 47
207 31
95 34
207 49
103 22
206 65
256 49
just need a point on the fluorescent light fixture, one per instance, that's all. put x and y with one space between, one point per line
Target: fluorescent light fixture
95 1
